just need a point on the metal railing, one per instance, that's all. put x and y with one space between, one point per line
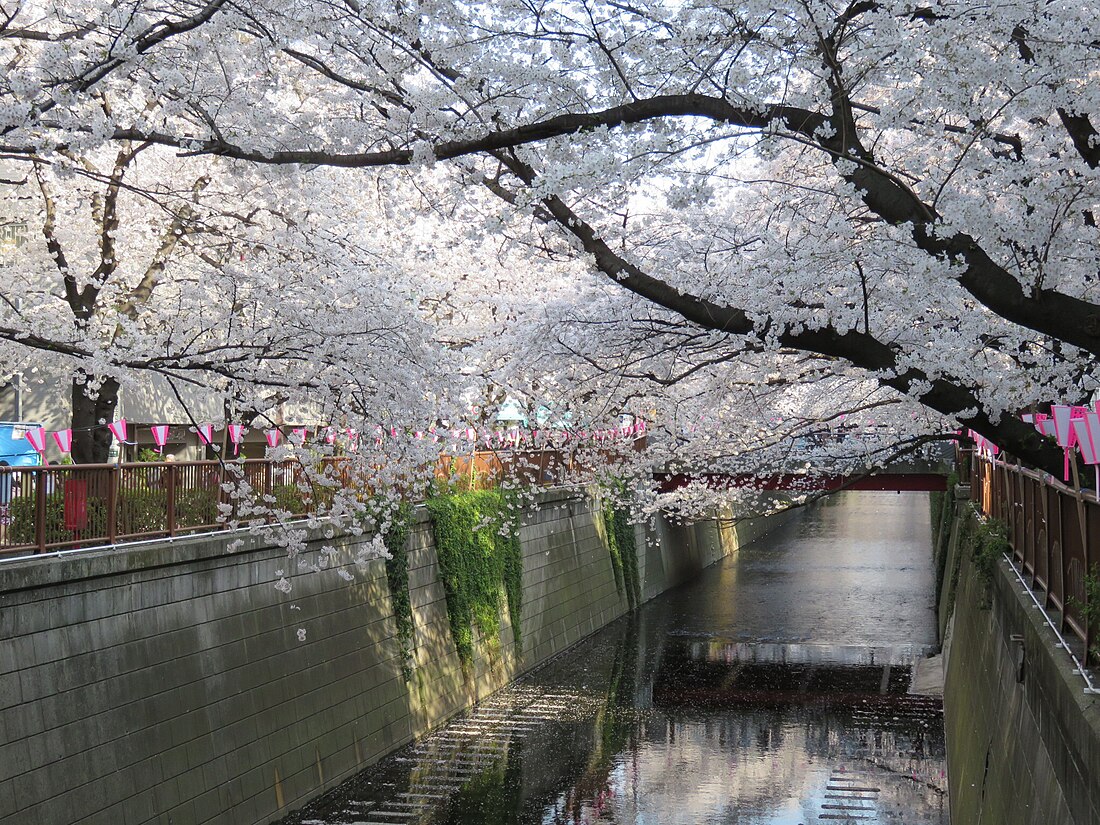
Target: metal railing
56 508
87 505
1051 528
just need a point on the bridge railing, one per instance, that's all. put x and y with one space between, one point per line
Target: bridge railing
1053 530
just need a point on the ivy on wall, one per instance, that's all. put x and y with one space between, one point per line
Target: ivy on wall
624 552
943 508
1089 610
988 543
480 563
396 540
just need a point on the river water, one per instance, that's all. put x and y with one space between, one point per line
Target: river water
772 690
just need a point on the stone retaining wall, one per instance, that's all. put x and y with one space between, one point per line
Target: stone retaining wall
1023 743
166 683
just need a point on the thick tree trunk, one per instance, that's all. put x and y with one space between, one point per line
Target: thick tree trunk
91 438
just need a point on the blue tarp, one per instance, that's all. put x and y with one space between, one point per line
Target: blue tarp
511 412
15 450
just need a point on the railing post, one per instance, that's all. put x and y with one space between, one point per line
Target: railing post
170 488
1051 521
1062 564
269 487
113 474
1087 608
40 510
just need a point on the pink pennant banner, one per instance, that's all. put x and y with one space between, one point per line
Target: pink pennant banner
300 434
160 436
1062 431
1087 432
64 440
37 439
330 435
272 437
236 435
1040 424
118 429
206 433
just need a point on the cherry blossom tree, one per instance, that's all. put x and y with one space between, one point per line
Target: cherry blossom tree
907 190
215 284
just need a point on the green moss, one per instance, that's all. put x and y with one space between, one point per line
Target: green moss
950 509
967 528
397 576
1090 611
511 553
624 552
988 542
613 546
479 563
936 502
943 516
496 794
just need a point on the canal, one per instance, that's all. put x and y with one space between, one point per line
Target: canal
772 690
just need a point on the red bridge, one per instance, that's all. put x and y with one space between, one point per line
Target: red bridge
796 482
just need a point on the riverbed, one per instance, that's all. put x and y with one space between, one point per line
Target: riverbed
772 690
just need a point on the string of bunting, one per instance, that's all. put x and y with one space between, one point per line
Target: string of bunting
120 429
1074 428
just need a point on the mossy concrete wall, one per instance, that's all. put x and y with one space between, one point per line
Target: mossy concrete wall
1023 744
166 683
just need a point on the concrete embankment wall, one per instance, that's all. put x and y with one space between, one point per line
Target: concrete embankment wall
1023 743
166 684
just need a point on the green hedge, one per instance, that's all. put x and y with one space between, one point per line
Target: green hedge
480 562
137 511
24 521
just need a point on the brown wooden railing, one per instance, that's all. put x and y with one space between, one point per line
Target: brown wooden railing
1052 529
52 508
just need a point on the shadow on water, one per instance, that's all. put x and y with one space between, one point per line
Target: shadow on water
715 703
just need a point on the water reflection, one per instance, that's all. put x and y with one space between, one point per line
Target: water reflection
677 717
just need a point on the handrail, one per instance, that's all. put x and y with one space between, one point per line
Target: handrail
53 508
1051 530
1078 667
